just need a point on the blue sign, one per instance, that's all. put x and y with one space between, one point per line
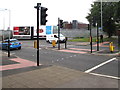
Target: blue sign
49 30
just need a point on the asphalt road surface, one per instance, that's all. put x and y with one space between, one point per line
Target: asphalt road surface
106 66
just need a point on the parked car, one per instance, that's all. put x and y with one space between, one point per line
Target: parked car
51 37
14 44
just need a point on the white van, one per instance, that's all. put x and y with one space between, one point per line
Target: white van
51 37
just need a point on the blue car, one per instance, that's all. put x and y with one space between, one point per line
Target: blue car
14 44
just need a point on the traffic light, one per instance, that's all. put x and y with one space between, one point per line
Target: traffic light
61 23
88 26
94 24
43 15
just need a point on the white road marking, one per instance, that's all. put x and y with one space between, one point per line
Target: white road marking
113 77
74 55
11 53
89 70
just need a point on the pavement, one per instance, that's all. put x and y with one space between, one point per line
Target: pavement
55 77
100 52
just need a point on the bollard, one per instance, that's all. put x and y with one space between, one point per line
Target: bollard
111 47
35 44
66 42
53 43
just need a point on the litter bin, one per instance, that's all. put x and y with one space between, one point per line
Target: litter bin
35 44
53 43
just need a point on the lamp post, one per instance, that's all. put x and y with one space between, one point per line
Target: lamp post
8 28
9 18
3 18
9 32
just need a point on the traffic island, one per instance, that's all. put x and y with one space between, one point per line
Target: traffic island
107 52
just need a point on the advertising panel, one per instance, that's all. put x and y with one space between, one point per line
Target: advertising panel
42 31
22 31
49 30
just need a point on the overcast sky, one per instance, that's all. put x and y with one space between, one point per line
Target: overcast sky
23 12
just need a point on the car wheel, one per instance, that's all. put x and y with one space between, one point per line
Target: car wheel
19 48
49 41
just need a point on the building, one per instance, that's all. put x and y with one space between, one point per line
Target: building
75 25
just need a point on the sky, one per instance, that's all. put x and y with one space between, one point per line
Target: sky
23 13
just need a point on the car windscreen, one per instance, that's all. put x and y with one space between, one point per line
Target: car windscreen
10 41
60 35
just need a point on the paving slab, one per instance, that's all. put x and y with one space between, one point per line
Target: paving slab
57 77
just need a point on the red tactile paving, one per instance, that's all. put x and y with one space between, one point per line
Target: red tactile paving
81 49
73 51
102 44
22 63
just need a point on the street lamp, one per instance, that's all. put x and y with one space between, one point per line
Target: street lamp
9 32
3 18
9 16
8 29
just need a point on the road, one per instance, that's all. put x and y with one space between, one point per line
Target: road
85 62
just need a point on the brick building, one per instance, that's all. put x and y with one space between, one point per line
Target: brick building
75 25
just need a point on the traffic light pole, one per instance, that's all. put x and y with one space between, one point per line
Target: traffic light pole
9 46
42 21
97 38
90 38
38 22
38 7
58 33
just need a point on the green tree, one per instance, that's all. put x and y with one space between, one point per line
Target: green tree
111 16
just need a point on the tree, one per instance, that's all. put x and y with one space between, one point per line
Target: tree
111 16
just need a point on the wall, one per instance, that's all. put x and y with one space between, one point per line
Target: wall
77 32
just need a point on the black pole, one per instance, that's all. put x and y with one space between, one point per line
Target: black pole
58 33
118 40
9 46
38 7
65 42
90 38
97 38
